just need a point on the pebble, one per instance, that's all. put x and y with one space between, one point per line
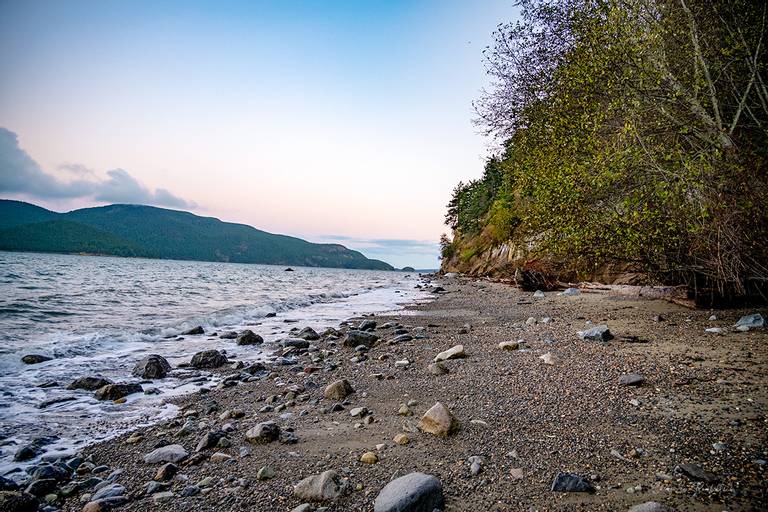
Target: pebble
369 458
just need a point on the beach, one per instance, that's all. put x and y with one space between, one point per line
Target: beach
660 412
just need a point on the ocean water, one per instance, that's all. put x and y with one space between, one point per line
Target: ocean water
99 315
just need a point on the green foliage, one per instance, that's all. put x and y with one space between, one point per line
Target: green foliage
633 133
133 230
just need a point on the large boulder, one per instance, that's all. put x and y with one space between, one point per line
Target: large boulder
355 338
438 421
153 366
91 383
208 359
248 337
338 390
326 486
167 453
414 492
263 433
117 391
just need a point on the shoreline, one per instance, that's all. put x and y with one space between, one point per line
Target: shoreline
521 421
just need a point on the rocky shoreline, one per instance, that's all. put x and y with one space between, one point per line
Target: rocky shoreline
487 398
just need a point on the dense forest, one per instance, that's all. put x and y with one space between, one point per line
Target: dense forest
633 136
146 231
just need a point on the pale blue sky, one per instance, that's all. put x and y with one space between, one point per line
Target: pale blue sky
346 121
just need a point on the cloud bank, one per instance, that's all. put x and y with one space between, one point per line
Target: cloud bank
399 252
20 174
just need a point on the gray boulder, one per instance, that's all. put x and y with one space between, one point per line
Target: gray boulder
326 486
750 322
597 333
367 325
263 433
308 334
153 366
167 453
414 492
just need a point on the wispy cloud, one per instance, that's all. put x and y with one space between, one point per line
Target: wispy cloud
21 174
399 252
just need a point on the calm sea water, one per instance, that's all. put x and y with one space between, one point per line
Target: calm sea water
99 315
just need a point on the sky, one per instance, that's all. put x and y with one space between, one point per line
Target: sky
334 121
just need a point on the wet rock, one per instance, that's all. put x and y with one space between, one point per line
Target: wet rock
414 492
153 366
263 433
248 337
194 331
228 335
597 333
167 453
631 379
308 334
117 391
570 482
35 359
367 325
326 486
455 352
297 343
108 491
338 390
696 472
89 383
355 338
8 485
41 487
438 421
208 359
15 501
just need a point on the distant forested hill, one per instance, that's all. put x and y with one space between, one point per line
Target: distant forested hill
146 231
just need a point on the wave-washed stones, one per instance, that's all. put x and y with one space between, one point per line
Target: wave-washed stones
308 334
439 421
327 486
414 492
91 383
117 391
208 359
35 359
355 338
248 337
194 331
153 366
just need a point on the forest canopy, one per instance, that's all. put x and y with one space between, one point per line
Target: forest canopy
633 132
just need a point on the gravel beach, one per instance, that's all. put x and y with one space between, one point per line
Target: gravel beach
656 410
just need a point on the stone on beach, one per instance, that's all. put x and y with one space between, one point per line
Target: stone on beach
631 379
438 421
194 331
248 337
597 333
208 359
750 322
369 458
455 352
650 506
308 334
153 366
509 345
167 453
414 492
437 369
549 358
355 338
263 433
117 391
326 486
338 390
